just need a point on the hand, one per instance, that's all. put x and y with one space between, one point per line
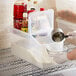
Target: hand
72 55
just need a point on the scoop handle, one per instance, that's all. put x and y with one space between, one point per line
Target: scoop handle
66 36
72 34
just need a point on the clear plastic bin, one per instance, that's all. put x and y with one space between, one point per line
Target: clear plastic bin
30 50
41 25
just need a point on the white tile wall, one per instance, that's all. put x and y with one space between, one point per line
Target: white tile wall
47 4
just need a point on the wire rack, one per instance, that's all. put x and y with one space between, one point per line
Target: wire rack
11 65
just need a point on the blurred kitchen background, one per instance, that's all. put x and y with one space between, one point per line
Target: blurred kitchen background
47 4
65 11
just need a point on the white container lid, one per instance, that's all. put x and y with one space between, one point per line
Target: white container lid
24 14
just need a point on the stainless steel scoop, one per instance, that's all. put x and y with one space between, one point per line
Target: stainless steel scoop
58 35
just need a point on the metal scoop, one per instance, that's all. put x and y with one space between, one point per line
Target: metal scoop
58 35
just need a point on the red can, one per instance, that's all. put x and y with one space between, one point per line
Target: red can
19 9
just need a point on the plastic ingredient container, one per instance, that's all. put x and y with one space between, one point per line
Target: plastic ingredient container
31 50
